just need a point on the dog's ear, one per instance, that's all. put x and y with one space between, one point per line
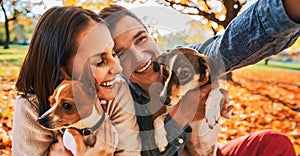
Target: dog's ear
214 68
63 75
160 60
203 68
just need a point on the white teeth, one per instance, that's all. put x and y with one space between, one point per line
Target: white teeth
145 67
107 83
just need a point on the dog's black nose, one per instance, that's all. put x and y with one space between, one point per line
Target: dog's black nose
42 120
165 100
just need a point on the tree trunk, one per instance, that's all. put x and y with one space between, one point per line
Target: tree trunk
6 43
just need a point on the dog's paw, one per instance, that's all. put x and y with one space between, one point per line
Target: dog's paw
226 110
213 108
69 142
160 134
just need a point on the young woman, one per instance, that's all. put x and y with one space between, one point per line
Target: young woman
264 29
66 38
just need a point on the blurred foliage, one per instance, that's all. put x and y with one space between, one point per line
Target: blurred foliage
94 5
215 14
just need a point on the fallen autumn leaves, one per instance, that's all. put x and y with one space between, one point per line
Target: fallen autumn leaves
263 98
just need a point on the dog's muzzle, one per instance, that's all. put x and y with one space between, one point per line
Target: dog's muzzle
43 120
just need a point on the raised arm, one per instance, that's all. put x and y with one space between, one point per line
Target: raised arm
262 30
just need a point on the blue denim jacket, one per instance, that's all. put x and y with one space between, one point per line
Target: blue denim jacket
262 30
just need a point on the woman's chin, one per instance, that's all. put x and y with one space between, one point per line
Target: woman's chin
107 96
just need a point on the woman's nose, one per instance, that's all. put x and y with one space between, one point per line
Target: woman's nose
116 66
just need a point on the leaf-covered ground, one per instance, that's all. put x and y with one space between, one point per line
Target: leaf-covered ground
263 98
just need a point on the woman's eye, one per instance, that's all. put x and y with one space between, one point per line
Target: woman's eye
98 64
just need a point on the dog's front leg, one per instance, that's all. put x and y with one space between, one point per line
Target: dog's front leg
160 134
213 107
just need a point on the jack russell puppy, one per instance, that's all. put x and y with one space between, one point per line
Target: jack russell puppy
74 104
185 69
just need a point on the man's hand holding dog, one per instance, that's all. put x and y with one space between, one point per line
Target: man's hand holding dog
192 105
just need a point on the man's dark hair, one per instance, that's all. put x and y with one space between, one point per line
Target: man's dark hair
113 13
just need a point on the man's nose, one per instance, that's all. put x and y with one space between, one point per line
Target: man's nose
136 54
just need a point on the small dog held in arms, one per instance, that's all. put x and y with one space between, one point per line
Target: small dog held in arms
74 104
185 69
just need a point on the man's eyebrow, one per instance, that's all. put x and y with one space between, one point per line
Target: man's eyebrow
134 37
138 34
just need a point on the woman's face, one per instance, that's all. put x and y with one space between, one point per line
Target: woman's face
96 48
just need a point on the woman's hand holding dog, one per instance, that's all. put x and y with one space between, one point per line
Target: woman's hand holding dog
58 148
100 148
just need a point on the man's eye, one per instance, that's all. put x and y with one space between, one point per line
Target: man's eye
141 39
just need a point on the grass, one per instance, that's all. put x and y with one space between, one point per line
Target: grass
11 59
279 64
13 56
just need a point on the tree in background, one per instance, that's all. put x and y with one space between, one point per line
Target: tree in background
216 14
20 17
6 43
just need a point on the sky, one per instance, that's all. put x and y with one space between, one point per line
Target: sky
165 19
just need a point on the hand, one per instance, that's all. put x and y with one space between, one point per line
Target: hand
292 9
226 108
100 148
192 105
58 148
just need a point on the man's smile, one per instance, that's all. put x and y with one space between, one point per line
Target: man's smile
143 67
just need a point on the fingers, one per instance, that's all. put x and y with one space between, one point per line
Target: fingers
79 141
226 95
58 148
226 107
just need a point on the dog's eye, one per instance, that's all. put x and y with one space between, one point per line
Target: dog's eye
67 106
184 74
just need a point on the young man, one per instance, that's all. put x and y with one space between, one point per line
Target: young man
265 29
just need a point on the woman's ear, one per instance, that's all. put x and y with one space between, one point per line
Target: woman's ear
63 75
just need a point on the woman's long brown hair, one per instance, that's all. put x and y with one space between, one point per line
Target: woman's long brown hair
52 45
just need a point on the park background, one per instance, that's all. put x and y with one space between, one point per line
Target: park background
265 95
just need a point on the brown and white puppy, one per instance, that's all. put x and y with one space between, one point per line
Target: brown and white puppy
185 69
74 104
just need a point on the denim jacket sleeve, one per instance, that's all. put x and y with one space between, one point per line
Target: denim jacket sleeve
262 30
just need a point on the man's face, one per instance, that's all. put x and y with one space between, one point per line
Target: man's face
136 49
